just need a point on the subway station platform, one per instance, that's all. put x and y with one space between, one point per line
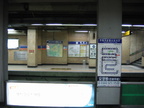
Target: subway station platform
69 73
80 73
70 68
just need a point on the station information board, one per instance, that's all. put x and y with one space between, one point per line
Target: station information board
78 49
109 62
92 51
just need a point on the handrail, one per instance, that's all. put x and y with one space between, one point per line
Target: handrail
136 52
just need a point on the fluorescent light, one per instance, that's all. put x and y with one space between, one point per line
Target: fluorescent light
123 32
11 30
138 25
16 32
82 31
36 24
126 25
90 24
53 24
53 30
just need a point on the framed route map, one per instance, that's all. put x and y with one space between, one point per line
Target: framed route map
109 62
54 48
78 49
74 50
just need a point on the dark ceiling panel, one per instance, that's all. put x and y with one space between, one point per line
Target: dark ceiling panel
39 1
69 11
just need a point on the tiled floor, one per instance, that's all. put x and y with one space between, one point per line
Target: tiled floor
70 68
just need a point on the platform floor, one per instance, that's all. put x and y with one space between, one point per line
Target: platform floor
70 68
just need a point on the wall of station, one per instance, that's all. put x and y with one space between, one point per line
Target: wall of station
23 47
132 47
65 36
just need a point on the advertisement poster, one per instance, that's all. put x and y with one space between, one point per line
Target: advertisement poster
50 94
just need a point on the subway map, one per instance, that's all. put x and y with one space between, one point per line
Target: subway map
109 57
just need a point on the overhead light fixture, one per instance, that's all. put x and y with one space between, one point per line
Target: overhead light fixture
81 31
90 24
138 25
11 30
72 24
54 24
123 32
16 32
126 25
37 24
53 30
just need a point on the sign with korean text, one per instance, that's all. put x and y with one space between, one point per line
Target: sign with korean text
109 62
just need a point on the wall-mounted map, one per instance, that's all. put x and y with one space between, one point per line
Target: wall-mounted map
54 48
109 62
78 49
73 50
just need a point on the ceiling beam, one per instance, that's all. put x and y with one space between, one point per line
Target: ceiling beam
133 1
47 1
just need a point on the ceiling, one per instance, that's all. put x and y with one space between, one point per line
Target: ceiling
25 12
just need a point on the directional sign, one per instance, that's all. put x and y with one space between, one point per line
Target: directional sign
92 51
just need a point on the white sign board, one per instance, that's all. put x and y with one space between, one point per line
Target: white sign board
13 43
92 51
109 62
74 50
83 50
50 94
108 82
109 57
20 55
78 49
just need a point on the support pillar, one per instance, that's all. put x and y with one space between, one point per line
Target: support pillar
109 53
32 48
3 50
